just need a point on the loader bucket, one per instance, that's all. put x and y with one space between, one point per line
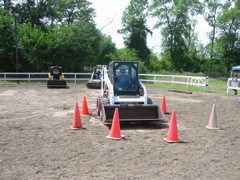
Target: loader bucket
132 113
56 84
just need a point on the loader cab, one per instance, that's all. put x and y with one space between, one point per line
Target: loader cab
124 76
97 72
56 72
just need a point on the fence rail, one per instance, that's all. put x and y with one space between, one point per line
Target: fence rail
175 79
76 77
30 76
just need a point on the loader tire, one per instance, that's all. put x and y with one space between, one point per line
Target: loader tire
99 104
101 115
149 101
98 107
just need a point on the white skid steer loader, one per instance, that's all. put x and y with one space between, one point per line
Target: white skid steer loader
121 88
95 81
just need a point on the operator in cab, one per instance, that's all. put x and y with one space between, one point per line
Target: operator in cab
124 80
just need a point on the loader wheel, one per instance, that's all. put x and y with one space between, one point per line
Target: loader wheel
100 103
149 101
101 113
97 107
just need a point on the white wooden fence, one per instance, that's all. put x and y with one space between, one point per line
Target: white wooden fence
233 84
30 76
175 79
75 77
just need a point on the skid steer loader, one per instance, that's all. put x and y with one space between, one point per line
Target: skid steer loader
56 78
121 88
95 81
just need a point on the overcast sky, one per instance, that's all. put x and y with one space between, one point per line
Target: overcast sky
111 11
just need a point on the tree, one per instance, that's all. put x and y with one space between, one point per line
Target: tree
212 11
6 4
52 33
135 29
32 12
176 27
125 54
70 11
35 48
7 45
228 42
107 48
40 13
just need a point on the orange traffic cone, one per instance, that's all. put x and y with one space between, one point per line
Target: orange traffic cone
85 107
172 135
115 129
164 106
213 119
77 122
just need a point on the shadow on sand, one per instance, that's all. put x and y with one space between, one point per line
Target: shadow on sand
142 125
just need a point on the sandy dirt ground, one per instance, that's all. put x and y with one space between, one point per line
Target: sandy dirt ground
36 141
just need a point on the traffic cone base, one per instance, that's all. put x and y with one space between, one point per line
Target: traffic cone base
212 127
75 128
114 138
172 141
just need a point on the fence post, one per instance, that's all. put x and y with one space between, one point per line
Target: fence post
154 79
29 77
75 78
172 80
206 83
187 83
228 84
5 76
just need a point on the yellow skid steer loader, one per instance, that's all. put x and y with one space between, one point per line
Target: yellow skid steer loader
56 78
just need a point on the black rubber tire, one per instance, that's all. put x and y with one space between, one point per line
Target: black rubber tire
98 107
100 112
149 101
103 101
